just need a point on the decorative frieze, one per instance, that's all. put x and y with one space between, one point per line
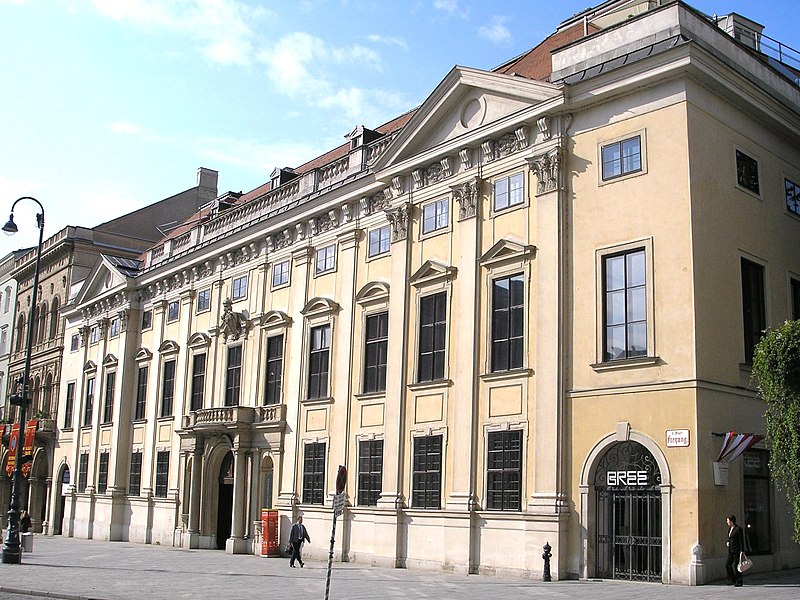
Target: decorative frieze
433 174
398 219
466 194
547 167
379 201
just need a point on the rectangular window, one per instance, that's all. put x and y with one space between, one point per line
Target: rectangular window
375 352
233 380
795 299
69 403
754 311
504 471
168 388
747 172
114 327
508 322
239 288
318 362
624 305
325 259
173 311
3 340
622 158
108 401
509 191
135 482
757 519
102 474
141 394
280 273
792 196
314 474
370 472
74 343
147 319
426 477
378 241
435 215
203 300
432 337
88 407
198 381
272 390
83 472
162 474
94 334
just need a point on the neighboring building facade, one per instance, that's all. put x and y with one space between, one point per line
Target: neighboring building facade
67 258
516 314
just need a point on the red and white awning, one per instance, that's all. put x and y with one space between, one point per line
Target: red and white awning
735 444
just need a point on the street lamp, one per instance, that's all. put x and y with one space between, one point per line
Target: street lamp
12 553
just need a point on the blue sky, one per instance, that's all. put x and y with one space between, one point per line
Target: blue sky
109 105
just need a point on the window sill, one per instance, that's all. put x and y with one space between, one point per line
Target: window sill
367 396
746 367
141 421
165 418
503 375
428 385
317 401
628 363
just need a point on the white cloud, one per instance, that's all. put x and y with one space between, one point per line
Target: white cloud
497 32
125 128
450 6
221 27
389 40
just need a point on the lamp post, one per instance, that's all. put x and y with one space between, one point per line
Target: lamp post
12 553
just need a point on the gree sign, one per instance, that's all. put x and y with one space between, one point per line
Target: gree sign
630 478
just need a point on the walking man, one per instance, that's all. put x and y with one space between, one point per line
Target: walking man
296 538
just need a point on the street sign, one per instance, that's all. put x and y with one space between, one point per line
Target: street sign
338 504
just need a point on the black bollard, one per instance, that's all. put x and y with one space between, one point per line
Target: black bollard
546 556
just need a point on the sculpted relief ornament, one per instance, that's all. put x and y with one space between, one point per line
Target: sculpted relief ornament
466 194
398 219
547 167
233 323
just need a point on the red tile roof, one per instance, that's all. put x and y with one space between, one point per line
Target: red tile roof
536 63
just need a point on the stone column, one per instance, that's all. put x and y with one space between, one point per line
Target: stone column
192 540
236 544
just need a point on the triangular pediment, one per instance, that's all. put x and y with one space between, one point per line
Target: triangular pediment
90 366
110 361
432 272
467 101
506 251
104 277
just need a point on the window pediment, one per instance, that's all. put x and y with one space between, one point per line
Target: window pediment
275 319
199 340
90 366
372 293
110 361
168 347
320 306
506 251
432 272
143 355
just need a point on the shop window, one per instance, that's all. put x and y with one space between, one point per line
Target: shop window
757 518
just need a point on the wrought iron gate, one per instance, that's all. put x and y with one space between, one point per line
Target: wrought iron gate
628 514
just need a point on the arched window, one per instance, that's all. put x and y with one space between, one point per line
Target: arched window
42 323
54 320
47 396
36 390
20 334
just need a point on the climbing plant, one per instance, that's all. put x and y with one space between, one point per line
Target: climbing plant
776 370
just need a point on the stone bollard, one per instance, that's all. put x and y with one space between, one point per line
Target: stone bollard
546 556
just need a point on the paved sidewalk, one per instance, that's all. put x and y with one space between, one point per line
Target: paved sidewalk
72 568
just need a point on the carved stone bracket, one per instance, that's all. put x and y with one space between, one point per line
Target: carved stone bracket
466 157
398 218
466 194
547 168
398 186
488 149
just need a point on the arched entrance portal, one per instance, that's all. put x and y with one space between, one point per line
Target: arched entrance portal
62 489
225 501
629 521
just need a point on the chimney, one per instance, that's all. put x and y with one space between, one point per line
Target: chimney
206 185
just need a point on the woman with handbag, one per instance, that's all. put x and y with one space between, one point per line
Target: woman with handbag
735 549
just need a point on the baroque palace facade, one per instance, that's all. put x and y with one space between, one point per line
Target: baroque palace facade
516 314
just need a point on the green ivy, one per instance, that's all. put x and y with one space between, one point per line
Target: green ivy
776 369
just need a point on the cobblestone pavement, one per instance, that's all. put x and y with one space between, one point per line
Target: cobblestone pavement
86 569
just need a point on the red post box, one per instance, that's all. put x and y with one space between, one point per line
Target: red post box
270 542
